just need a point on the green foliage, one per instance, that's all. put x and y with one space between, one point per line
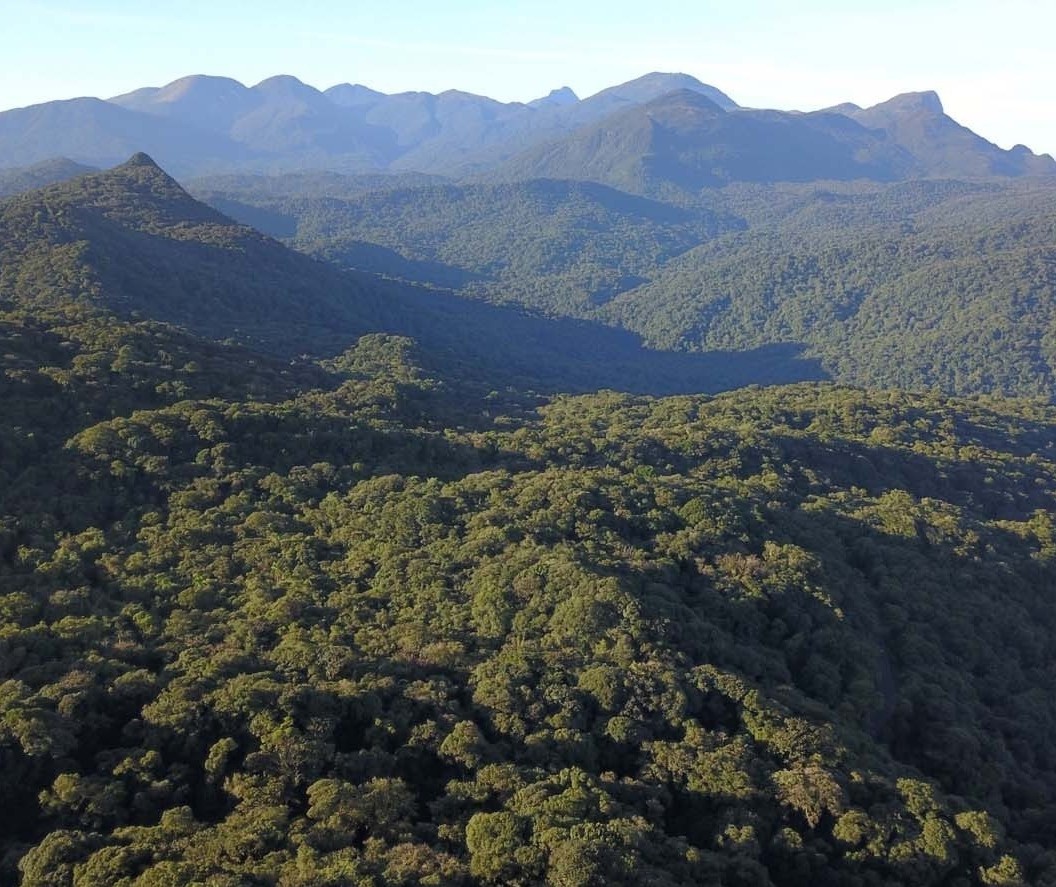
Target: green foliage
376 626
370 622
930 284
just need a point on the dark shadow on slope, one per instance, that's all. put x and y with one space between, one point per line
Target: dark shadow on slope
938 651
268 221
281 302
511 346
373 258
996 492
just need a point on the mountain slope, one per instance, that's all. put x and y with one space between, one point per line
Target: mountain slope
684 142
923 284
942 147
918 284
47 172
563 247
98 133
132 242
137 243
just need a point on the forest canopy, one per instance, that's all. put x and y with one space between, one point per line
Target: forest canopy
374 616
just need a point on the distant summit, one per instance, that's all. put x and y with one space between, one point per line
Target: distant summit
653 86
927 102
940 146
353 95
557 98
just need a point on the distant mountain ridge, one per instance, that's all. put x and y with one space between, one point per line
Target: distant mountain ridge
201 125
686 141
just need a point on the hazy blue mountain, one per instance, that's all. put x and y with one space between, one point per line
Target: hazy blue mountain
213 103
47 172
560 98
304 128
353 95
417 117
100 133
646 89
684 142
940 146
202 124
559 115
287 123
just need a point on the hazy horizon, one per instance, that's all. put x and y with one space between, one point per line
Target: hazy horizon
991 72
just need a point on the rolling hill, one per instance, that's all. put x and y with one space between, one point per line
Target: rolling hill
921 284
132 242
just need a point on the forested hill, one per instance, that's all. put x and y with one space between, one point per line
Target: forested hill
132 243
940 284
365 623
131 240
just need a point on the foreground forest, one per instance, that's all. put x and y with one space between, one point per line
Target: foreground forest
361 625
293 597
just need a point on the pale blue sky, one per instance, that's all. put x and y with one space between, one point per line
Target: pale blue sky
993 64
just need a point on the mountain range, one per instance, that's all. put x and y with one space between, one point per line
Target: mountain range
657 132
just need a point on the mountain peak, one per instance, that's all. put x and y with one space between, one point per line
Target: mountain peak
285 86
556 98
141 160
656 84
140 187
203 83
351 95
910 102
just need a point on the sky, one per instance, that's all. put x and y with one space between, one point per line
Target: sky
992 64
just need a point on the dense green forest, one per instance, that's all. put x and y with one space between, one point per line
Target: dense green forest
301 587
360 624
131 241
926 284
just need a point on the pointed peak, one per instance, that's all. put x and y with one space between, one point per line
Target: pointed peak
140 160
556 97
140 171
